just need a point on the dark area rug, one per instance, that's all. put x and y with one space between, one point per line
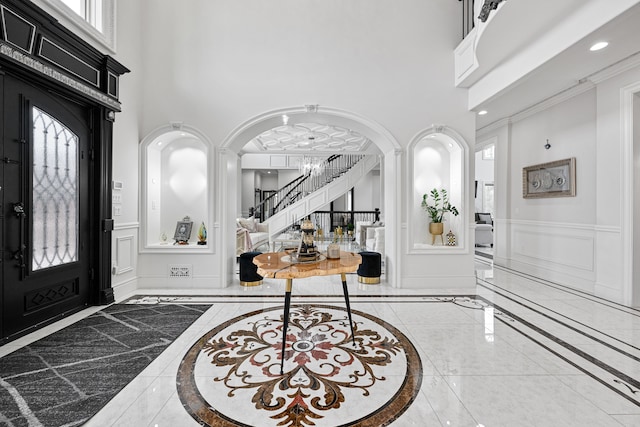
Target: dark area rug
65 378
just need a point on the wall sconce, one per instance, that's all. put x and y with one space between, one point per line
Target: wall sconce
547 145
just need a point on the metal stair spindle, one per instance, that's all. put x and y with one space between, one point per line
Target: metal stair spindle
335 166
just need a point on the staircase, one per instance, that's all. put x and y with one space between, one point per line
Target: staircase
332 168
307 194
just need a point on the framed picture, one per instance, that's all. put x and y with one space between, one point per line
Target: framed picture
553 179
183 231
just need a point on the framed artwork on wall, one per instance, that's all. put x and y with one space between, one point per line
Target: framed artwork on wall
553 179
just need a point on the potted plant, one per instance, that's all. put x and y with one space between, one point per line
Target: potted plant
436 210
350 229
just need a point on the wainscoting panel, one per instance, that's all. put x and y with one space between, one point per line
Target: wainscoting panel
609 255
554 250
317 200
124 257
339 189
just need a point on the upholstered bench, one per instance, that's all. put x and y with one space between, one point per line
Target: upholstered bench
371 268
248 270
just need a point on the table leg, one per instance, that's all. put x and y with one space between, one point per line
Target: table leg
343 276
287 302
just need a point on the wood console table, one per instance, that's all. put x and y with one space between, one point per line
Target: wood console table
275 265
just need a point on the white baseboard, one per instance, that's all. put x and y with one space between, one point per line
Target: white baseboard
439 282
125 290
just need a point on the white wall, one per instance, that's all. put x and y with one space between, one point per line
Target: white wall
126 136
610 156
571 130
366 195
216 64
635 276
571 240
286 176
248 185
636 202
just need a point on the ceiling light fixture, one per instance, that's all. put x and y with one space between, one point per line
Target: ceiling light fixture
308 165
598 46
310 140
482 112
313 166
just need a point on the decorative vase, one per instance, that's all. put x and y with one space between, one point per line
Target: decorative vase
202 235
436 229
451 239
333 251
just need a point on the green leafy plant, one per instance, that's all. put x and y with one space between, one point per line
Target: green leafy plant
439 206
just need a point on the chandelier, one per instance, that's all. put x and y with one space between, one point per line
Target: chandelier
313 166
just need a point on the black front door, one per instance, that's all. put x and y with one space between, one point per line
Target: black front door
45 183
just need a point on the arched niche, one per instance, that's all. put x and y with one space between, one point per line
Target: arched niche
176 177
438 158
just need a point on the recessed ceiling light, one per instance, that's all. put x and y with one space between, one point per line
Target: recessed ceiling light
482 112
598 46
159 142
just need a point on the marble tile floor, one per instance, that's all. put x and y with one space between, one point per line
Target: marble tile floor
517 351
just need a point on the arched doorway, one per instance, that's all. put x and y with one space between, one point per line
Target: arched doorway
390 165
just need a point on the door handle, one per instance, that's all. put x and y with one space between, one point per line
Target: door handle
18 209
19 256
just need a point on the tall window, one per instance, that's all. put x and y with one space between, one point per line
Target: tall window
89 10
489 152
487 198
93 20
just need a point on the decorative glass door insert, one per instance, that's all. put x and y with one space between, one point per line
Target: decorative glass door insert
55 192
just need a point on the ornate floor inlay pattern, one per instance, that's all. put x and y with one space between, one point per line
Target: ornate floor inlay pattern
231 376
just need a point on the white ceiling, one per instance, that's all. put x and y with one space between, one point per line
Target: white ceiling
574 66
308 137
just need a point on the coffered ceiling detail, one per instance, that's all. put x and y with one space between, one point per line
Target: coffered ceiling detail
310 137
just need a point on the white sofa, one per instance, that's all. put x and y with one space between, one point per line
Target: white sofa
250 235
484 229
361 231
375 239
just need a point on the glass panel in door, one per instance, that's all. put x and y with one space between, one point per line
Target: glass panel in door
55 192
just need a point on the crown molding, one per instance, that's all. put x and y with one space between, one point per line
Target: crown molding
560 97
583 86
491 127
616 68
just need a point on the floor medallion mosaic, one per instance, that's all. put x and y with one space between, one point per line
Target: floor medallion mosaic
327 380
